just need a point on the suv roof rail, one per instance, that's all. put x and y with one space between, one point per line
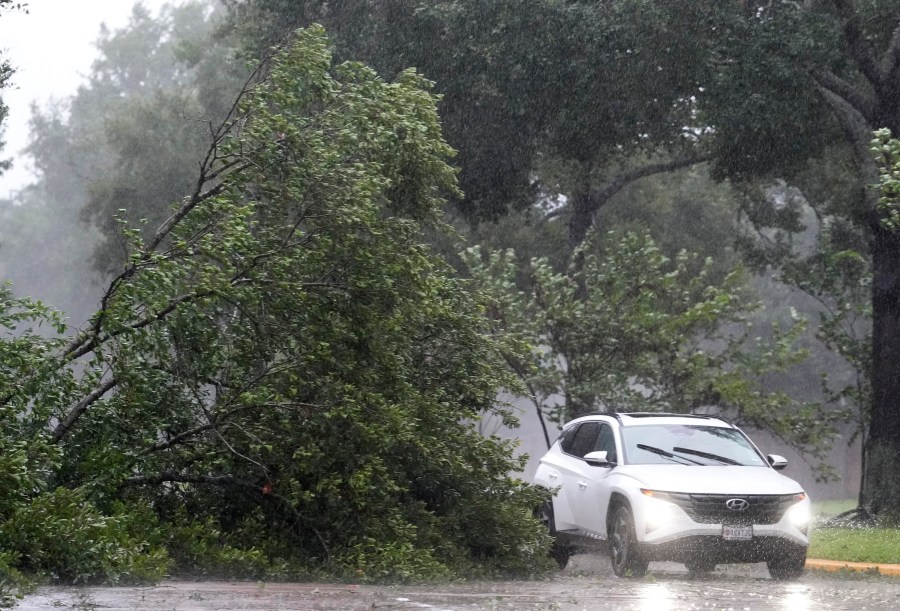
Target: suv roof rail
598 413
618 415
667 414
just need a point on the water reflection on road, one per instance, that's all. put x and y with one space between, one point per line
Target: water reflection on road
797 597
656 597
746 590
722 592
675 591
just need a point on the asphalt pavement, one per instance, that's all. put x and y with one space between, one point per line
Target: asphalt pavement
586 585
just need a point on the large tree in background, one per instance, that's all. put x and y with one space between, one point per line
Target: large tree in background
125 146
136 129
523 80
770 87
793 81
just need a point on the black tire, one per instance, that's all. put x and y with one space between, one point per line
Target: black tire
789 566
627 560
559 553
700 566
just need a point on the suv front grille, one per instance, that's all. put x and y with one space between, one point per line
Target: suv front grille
711 508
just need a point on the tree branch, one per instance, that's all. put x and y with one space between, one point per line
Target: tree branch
85 341
66 423
227 481
582 218
890 61
599 198
857 130
864 103
221 420
856 41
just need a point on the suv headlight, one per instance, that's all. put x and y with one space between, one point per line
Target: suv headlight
799 514
659 511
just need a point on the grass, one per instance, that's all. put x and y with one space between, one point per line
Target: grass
880 545
828 509
856 544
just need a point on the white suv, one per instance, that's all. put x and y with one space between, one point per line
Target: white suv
684 488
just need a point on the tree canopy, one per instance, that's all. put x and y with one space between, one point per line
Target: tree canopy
622 89
588 82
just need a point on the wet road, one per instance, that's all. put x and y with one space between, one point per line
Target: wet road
587 584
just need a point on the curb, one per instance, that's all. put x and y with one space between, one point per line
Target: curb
833 566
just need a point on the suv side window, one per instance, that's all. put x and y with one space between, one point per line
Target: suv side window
583 440
565 440
606 441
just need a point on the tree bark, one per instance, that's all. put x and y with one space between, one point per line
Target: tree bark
882 477
581 216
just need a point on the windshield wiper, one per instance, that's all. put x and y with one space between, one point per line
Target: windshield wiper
722 459
665 454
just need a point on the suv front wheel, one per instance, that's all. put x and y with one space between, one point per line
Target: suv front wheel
627 560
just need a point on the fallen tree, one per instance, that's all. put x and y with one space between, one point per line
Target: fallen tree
283 377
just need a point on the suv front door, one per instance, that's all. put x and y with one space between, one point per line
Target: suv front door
584 484
590 513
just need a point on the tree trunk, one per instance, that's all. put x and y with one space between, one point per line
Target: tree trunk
581 206
882 476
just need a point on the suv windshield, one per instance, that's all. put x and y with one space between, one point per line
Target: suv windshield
687 444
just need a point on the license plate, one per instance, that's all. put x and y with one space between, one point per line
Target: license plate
737 533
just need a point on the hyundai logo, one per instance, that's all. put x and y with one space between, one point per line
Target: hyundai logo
737 504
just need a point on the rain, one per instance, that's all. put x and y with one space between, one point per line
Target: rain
302 293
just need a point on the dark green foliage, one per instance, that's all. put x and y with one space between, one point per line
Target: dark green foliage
13 584
63 537
284 362
50 533
768 118
522 77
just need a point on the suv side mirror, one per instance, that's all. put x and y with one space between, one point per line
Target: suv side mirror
778 462
598 459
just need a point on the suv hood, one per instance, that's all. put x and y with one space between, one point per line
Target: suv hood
726 479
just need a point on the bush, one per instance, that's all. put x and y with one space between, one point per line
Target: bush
199 548
13 585
62 536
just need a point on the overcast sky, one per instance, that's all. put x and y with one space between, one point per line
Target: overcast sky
52 48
